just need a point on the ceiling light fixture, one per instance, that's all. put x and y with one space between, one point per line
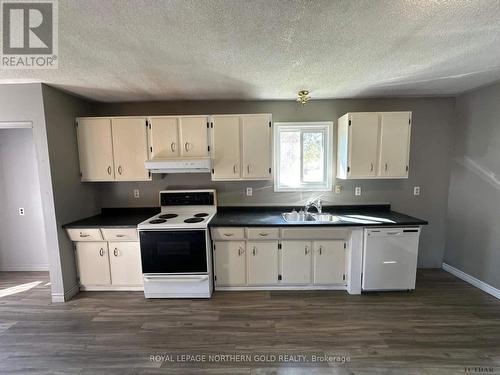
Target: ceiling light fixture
303 97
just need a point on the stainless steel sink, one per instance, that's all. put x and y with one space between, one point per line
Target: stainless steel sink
309 217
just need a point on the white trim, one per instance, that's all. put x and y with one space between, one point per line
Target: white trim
110 288
16 125
24 268
472 280
68 294
280 287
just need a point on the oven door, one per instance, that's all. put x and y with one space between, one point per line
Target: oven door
174 251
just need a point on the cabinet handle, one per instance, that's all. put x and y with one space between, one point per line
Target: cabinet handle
187 146
320 250
248 168
234 169
386 166
254 251
371 169
115 252
120 169
101 252
109 170
172 146
228 234
83 235
263 234
240 251
306 250
120 235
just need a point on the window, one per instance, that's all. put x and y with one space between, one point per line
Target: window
302 156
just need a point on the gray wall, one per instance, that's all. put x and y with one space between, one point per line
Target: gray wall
429 161
473 229
72 199
22 238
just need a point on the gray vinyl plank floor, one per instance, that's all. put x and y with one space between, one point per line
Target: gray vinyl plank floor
444 327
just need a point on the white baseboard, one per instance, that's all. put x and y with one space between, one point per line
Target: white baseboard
68 294
472 280
24 268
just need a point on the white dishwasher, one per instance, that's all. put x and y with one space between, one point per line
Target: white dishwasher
390 258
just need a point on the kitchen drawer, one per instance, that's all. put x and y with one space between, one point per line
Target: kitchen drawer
228 234
263 233
314 234
120 234
78 235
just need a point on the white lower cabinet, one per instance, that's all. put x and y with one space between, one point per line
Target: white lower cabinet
93 263
329 262
262 262
230 263
296 262
125 263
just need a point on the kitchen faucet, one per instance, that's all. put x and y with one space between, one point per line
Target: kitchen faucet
316 203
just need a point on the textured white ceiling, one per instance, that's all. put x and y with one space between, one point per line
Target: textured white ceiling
115 50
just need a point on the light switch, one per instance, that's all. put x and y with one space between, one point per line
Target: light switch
136 193
357 190
416 190
249 191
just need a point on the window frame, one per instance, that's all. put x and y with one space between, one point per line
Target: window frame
326 127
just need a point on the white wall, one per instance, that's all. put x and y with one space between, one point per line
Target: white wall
22 238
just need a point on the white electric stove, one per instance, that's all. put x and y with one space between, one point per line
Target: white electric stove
175 246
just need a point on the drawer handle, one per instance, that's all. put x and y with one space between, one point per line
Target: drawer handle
120 235
228 234
101 252
83 235
263 234
115 252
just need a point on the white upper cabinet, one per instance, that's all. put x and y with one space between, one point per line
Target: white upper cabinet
241 147
164 137
373 145
130 149
95 149
256 140
226 162
394 144
178 136
113 149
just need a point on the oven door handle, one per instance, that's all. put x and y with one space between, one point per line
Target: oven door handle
175 279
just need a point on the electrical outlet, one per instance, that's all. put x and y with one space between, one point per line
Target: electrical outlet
249 191
338 189
136 193
21 211
416 190
357 190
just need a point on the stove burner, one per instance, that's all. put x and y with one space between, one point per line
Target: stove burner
168 216
157 221
202 214
194 220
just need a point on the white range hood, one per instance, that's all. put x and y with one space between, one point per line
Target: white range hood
184 165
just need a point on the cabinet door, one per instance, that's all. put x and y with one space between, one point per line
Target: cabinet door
394 144
296 262
363 145
93 263
230 264
95 149
130 149
194 135
256 142
125 263
226 148
329 262
164 137
262 262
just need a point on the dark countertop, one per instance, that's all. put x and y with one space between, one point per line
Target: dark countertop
115 218
372 215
